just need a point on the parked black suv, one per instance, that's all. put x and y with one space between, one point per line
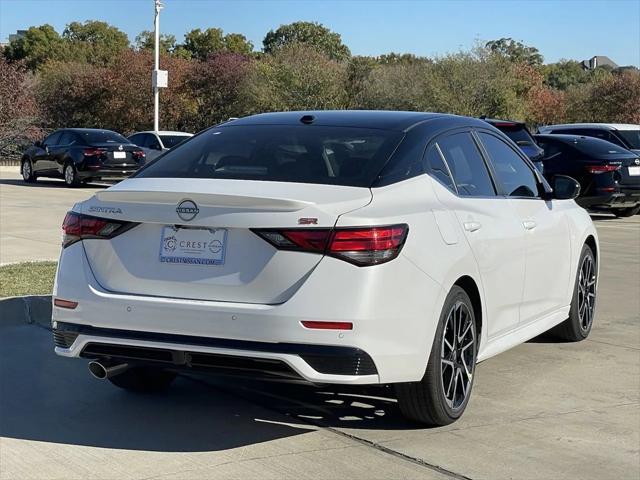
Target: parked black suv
608 174
519 133
81 154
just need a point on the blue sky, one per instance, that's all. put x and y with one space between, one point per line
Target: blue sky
558 28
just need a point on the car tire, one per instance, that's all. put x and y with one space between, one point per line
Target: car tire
435 399
26 169
144 379
626 212
583 303
71 175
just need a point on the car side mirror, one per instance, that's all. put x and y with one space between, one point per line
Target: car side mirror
565 188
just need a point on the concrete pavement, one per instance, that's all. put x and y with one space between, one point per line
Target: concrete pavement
545 409
31 215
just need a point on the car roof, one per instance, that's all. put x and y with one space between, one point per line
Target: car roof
167 132
603 126
379 119
575 139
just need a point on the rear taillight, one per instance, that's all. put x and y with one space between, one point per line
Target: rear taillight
93 152
362 246
602 168
79 227
138 154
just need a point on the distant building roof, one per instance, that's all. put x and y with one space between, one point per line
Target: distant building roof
598 61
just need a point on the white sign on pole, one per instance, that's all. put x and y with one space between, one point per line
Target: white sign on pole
160 79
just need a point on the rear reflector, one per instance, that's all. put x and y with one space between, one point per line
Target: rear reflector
59 302
362 246
602 168
78 227
327 325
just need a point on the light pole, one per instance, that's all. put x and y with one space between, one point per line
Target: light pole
159 78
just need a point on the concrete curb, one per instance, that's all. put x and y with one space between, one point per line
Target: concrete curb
28 309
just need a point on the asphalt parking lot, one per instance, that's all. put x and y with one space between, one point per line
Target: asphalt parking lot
545 409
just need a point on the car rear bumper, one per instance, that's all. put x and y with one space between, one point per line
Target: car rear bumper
393 323
622 199
107 173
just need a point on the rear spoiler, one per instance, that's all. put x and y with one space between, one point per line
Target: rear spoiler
253 202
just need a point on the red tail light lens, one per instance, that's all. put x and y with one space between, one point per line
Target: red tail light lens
93 152
602 168
138 154
362 246
78 227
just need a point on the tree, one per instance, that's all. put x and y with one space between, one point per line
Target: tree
219 87
94 42
565 74
237 43
312 34
515 51
203 43
19 123
613 98
297 77
545 106
117 97
38 45
145 40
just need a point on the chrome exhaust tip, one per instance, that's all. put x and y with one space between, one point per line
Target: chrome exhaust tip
102 371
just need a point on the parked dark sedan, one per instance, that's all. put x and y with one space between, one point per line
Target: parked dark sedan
82 154
608 174
519 133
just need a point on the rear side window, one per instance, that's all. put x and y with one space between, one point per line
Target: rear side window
631 137
438 168
467 166
280 153
52 139
137 139
513 174
67 138
170 141
518 134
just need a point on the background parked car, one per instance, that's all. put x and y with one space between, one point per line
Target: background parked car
608 174
519 133
154 143
626 135
81 154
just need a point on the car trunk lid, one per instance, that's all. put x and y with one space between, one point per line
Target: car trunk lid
194 240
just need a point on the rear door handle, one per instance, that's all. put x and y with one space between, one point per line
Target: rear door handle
472 226
529 224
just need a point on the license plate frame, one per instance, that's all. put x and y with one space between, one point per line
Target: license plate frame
119 155
193 245
634 171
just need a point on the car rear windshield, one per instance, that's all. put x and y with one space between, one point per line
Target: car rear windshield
170 141
280 153
90 137
631 137
517 133
597 147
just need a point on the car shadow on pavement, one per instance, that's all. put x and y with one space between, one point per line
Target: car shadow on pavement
44 397
335 406
48 398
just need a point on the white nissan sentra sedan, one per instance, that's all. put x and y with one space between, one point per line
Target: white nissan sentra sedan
346 247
